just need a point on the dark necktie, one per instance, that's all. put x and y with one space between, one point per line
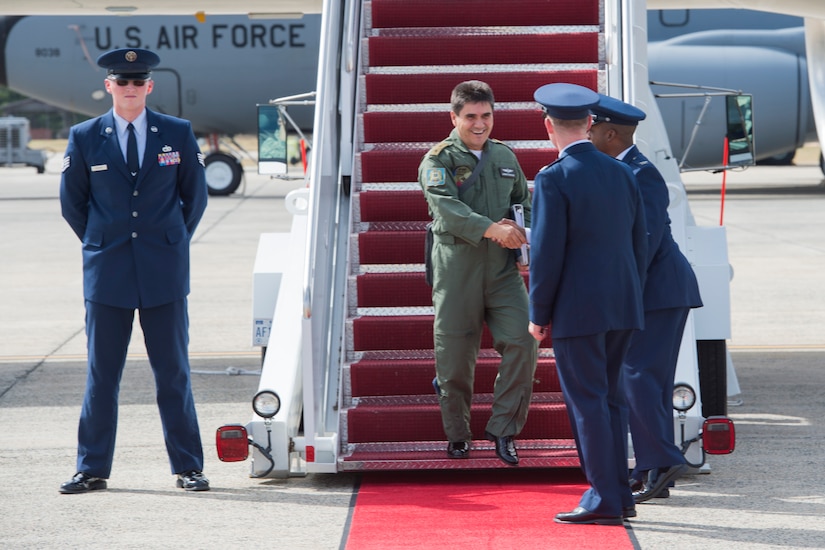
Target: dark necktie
131 151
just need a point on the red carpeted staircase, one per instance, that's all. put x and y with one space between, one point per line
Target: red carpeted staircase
413 52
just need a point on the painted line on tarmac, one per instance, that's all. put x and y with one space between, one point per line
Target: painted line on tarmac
130 357
779 347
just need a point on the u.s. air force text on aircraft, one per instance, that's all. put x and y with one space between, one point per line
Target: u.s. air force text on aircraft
182 37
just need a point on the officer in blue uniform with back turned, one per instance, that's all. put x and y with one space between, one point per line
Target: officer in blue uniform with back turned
133 189
589 251
670 292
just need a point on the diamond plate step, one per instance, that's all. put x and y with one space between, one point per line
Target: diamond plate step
391 164
418 418
375 377
482 48
402 332
425 13
425 126
435 87
431 455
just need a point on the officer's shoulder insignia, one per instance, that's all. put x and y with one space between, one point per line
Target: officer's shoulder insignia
200 159
436 150
67 161
499 142
434 177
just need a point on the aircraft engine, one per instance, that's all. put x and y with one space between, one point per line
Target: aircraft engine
776 78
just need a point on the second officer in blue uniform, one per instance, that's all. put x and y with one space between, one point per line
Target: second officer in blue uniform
670 291
133 190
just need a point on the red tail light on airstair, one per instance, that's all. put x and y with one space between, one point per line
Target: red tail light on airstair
718 435
232 442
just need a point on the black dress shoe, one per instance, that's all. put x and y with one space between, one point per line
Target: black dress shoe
459 449
629 512
505 448
82 483
584 516
637 485
193 480
657 481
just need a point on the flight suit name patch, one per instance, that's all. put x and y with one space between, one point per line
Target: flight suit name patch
167 159
435 177
507 172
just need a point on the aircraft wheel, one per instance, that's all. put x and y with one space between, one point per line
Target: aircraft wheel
223 174
713 376
784 159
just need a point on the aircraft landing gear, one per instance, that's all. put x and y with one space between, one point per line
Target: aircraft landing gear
223 173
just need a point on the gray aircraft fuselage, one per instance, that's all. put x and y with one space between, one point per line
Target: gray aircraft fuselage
211 73
214 73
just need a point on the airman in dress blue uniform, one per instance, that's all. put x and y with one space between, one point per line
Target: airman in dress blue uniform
133 190
589 252
670 291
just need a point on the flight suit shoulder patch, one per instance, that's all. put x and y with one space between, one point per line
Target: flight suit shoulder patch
435 177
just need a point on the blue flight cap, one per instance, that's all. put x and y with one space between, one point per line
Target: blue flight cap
132 63
616 111
566 101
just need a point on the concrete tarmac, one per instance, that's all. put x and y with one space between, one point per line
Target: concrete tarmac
770 493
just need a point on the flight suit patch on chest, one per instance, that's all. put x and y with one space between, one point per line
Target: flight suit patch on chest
507 172
461 174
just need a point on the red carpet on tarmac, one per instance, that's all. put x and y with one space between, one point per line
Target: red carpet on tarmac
479 510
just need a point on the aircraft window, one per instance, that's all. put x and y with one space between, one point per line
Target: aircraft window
674 18
740 129
271 141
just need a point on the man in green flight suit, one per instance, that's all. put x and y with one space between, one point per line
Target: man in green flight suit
471 182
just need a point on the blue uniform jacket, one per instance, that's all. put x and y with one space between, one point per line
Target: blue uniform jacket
135 234
671 281
589 245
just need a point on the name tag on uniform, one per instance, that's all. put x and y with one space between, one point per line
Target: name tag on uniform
167 159
100 167
507 172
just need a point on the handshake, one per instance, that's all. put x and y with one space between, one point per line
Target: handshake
508 234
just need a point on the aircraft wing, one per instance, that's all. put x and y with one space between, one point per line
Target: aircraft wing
814 13
800 8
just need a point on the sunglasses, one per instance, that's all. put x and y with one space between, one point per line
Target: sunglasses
125 82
